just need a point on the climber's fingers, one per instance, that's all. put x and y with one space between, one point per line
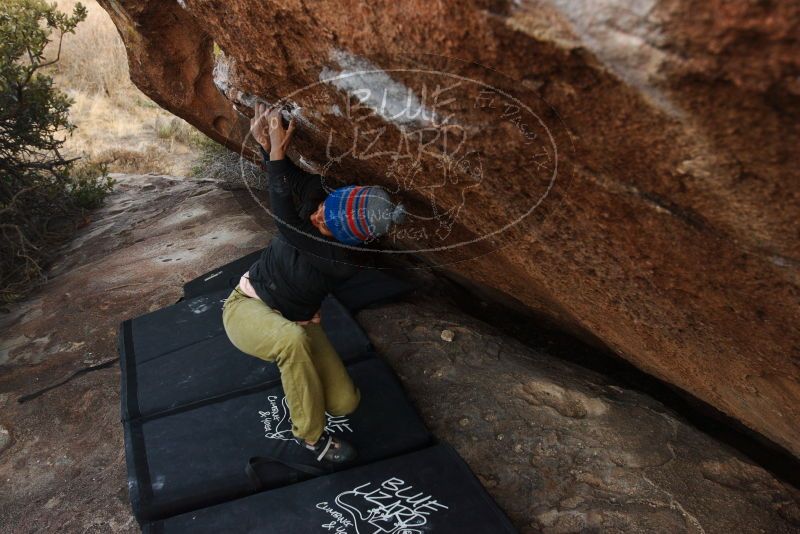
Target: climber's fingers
254 120
316 319
258 125
289 133
275 122
257 113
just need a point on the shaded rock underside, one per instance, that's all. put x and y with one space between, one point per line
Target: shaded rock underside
656 139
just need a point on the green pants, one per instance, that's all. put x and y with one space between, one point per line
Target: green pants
313 376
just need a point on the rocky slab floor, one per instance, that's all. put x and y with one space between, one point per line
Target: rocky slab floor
562 449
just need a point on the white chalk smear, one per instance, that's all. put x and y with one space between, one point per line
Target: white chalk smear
375 89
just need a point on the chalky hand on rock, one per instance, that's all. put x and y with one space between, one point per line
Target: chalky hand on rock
266 127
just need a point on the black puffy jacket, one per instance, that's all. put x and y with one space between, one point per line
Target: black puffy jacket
300 266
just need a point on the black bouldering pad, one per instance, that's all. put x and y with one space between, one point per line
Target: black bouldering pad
179 325
210 453
180 355
431 490
223 277
369 287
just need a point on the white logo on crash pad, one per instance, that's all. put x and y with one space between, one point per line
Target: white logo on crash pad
278 423
391 507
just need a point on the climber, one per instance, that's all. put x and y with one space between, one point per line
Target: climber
273 313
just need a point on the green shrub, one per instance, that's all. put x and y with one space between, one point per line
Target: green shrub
41 192
89 184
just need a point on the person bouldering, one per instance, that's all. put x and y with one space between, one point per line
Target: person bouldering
273 313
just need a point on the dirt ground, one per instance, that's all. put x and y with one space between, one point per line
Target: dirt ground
561 449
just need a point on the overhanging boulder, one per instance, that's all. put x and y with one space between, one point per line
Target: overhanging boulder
627 171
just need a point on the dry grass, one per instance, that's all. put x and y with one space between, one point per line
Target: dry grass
93 59
116 122
215 162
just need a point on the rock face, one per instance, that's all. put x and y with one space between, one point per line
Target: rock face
625 168
562 449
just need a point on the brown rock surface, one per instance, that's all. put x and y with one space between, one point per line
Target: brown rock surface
656 140
562 449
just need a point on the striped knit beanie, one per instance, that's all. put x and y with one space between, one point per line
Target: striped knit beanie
355 213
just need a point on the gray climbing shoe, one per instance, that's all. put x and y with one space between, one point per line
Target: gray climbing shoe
331 449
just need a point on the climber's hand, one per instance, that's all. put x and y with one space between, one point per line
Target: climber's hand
314 320
259 126
278 136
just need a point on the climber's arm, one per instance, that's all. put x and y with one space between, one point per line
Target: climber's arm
306 186
286 179
327 256
278 136
303 184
